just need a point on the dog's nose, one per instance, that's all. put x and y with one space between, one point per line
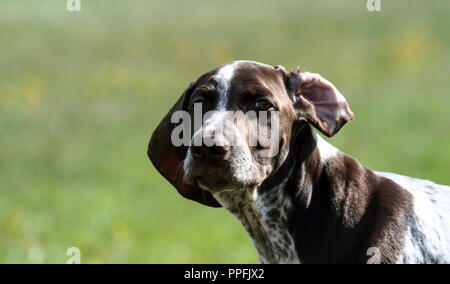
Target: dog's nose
213 152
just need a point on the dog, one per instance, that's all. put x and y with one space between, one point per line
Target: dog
303 201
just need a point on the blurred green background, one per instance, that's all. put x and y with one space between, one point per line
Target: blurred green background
80 94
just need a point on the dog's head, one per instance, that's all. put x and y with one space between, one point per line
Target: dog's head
232 127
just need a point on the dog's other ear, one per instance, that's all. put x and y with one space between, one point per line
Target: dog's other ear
318 101
167 158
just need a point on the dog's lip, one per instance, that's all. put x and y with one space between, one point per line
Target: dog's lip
200 183
207 183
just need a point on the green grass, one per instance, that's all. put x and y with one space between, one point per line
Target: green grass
80 94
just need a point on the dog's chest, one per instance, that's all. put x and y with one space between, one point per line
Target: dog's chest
264 217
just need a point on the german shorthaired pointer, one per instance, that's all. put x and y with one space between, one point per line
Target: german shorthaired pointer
309 202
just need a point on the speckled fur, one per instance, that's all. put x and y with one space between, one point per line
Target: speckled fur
264 217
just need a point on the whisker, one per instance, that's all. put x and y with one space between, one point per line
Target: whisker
178 168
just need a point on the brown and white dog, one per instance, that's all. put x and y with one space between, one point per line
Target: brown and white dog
309 202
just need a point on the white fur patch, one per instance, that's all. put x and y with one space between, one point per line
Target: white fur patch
428 236
224 76
326 150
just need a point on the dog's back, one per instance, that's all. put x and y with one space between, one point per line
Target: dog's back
429 229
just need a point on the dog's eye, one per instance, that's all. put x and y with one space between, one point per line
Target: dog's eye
263 105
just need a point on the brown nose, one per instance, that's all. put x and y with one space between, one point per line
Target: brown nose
213 152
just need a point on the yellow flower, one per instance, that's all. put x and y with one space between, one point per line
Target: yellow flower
119 231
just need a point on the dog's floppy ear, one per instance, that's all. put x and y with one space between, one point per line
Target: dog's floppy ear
167 158
318 101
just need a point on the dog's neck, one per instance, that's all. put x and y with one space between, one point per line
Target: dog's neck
264 211
264 217
326 209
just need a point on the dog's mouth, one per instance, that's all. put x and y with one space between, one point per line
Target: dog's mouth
211 184
217 183
215 178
